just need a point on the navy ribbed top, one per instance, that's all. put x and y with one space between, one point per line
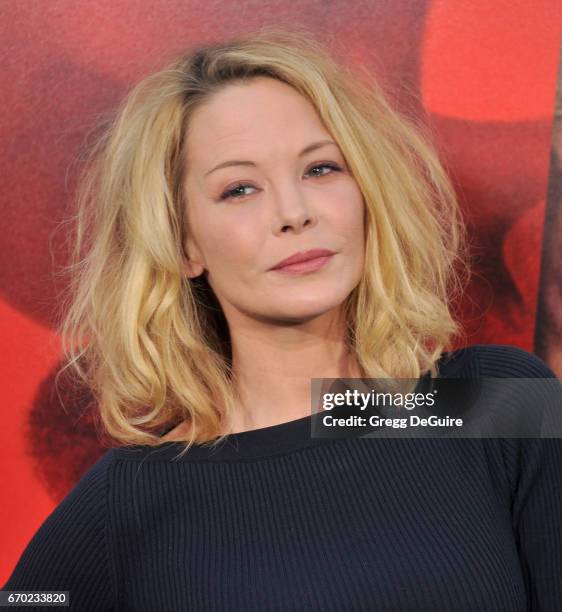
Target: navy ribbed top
277 520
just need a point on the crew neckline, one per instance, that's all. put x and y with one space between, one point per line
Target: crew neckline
263 442
244 445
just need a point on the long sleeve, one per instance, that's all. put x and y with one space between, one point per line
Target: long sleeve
69 552
535 469
537 520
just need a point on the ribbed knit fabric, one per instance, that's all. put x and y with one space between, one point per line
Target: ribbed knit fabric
277 520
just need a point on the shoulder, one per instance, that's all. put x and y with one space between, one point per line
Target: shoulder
95 479
494 360
70 550
86 500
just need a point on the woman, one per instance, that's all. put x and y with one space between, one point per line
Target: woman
186 319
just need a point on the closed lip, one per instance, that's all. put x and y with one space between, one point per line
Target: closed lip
302 256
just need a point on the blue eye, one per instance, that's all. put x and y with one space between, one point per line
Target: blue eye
333 167
235 194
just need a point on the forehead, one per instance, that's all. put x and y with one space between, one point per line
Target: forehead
262 114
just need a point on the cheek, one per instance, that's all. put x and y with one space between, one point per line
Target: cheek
233 242
349 211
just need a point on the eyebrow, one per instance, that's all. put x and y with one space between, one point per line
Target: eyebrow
307 149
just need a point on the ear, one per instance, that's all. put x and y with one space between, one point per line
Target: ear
192 261
192 269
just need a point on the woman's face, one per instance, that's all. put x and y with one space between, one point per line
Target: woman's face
256 197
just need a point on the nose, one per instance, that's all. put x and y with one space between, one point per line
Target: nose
293 210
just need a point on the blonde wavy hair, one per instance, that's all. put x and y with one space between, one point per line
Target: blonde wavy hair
153 345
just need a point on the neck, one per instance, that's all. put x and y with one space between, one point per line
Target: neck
273 369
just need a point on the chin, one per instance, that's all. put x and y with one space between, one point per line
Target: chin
301 312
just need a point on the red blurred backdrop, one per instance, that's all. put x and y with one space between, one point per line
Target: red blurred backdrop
485 74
